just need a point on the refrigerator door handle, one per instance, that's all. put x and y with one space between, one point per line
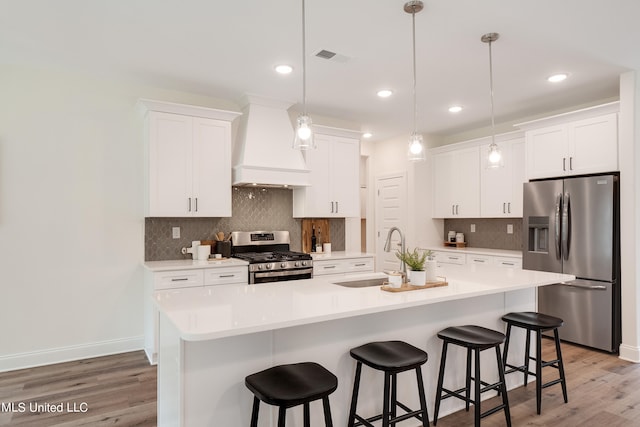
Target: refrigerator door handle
594 287
566 225
557 224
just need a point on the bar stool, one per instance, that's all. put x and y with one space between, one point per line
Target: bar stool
538 323
291 385
476 339
391 357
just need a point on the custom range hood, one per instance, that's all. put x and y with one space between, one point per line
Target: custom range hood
263 153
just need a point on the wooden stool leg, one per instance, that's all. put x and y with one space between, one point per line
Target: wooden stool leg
476 383
527 349
282 416
443 361
385 402
538 371
354 396
254 413
467 391
503 388
423 401
328 421
560 365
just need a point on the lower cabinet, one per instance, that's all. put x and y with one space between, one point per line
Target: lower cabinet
180 279
446 257
341 266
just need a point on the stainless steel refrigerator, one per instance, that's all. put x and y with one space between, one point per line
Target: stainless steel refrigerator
572 226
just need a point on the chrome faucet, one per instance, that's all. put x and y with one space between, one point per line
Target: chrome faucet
387 246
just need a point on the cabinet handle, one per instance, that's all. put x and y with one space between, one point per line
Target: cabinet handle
329 266
570 163
189 204
361 264
453 209
504 208
337 208
453 257
456 209
564 163
196 199
331 207
509 207
224 276
508 263
478 260
180 279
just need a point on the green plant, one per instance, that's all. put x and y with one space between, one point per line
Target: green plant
414 259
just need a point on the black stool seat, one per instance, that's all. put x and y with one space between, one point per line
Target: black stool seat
390 355
475 339
291 385
538 323
472 336
533 320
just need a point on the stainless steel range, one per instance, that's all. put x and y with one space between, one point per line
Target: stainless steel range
269 257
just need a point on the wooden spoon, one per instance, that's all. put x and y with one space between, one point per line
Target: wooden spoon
220 236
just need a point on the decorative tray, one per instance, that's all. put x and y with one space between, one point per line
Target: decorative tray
456 244
409 287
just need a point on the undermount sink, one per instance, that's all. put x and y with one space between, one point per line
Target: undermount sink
362 283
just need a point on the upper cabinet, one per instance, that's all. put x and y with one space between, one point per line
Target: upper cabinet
188 153
501 187
334 176
576 143
457 183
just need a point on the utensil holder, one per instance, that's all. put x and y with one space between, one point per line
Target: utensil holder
223 248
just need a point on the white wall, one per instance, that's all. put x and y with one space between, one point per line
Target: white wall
71 215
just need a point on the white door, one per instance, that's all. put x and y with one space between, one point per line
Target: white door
391 208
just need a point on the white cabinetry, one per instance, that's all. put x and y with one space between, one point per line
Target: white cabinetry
469 258
457 183
334 176
501 187
188 160
449 258
343 266
581 142
180 279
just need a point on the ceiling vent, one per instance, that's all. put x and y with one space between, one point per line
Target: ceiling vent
331 56
325 54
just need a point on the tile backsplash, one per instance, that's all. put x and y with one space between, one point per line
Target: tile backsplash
490 232
253 209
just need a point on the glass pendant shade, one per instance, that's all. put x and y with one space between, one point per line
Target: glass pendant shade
304 136
416 151
494 156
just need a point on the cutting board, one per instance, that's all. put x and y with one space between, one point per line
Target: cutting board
323 233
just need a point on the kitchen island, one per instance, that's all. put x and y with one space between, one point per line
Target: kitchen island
210 339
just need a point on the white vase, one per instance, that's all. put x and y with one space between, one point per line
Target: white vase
430 267
417 278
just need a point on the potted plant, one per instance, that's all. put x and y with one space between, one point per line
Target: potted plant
415 261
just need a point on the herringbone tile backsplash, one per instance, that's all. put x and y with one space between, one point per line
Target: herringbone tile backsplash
490 232
253 209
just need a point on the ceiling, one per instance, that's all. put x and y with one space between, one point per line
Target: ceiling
225 49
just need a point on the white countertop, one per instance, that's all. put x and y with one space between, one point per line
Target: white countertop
230 310
478 251
319 256
187 264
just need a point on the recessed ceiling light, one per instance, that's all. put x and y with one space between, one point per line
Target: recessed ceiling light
385 93
557 77
367 135
284 69
455 108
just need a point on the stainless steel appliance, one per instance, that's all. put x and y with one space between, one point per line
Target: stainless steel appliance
572 226
269 257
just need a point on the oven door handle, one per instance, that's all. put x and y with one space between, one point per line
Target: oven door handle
280 273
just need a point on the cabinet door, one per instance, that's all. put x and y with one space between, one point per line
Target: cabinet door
170 156
443 179
501 188
593 145
547 152
315 200
211 171
518 178
466 182
345 177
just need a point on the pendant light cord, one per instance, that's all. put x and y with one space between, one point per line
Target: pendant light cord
304 62
415 99
493 125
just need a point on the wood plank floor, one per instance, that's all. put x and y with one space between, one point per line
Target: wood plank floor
121 390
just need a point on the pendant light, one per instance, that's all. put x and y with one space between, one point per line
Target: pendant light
494 155
304 135
416 149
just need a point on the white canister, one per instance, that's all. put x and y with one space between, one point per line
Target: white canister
451 236
460 237
326 248
203 252
395 279
430 267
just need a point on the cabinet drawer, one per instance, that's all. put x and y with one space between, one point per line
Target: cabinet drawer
508 262
480 259
177 279
328 267
360 265
226 275
450 258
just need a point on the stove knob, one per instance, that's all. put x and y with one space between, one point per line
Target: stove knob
297 264
283 265
304 263
269 266
259 266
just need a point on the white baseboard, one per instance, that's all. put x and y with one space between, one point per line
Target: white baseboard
65 354
630 353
